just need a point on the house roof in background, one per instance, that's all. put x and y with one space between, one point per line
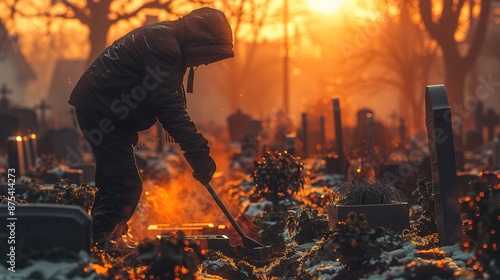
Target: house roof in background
9 46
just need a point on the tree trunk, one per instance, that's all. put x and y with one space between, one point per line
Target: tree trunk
98 39
455 83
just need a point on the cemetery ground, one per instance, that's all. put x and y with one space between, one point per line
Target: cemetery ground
293 220
369 211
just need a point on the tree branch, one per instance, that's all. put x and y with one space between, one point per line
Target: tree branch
478 38
79 13
425 7
149 5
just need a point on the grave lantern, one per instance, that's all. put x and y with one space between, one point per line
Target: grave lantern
15 155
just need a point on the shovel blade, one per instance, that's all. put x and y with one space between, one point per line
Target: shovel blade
250 243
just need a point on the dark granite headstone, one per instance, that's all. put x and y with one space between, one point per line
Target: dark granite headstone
370 137
237 124
491 122
402 132
254 127
28 122
333 165
444 173
9 126
338 127
479 118
305 135
290 144
360 139
65 143
43 227
473 140
322 134
88 172
496 152
45 142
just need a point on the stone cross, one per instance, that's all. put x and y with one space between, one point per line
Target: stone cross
4 102
43 106
338 127
304 134
443 165
491 121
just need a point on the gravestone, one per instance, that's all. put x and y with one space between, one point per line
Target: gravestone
479 118
254 127
65 143
4 102
370 137
45 142
402 132
322 134
43 227
473 140
237 124
290 144
339 140
360 135
443 165
496 152
9 126
333 165
305 134
28 122
457 133
491 120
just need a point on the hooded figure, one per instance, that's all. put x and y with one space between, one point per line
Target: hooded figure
135 82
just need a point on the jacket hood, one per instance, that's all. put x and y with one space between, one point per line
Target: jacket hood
207 37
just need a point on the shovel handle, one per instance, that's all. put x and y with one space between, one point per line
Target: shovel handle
225 210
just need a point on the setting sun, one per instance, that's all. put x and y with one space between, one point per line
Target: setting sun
324 6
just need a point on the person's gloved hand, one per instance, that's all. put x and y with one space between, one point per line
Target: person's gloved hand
203 167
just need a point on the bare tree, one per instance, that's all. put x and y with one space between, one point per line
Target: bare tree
407 54
247 18
97 15
394 54
458 57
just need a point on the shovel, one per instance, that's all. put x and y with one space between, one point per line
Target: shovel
247 241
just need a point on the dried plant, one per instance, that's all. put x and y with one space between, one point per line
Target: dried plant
367 192
482 210
353 243
171 258
63 193
306 225
426 223
278 176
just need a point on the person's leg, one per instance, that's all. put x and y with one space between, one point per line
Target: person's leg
117 179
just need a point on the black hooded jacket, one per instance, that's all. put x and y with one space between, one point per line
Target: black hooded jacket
138 79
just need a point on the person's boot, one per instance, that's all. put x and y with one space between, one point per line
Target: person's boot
118 247
113 244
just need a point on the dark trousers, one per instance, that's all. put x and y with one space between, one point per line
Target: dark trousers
117 178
